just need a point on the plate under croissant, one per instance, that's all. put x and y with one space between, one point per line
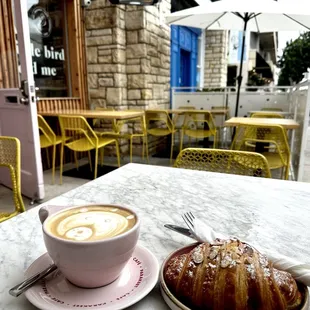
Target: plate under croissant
175 304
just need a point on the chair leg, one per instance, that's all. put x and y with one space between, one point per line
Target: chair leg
181 140
214 141
61 161
117 153
90 163
101 156
76 160
172 143
130 147
53 164
287 170
96 162
143 144
48 158
146 148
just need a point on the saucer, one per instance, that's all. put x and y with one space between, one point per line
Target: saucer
138 278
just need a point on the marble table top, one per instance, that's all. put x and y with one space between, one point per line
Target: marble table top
269 213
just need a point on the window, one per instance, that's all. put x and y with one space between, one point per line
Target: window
48 34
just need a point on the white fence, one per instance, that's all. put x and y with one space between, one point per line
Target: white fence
293 100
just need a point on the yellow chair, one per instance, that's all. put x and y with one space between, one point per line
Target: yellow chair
224 161
10 158
270 140
220 127
266 115
49 138
194 126
83 139
117 133
164 125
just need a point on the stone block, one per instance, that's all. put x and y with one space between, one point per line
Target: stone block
155 62
136 81
134 20
119 36
118 56
114 96
153 40
98 103
133 69
101 18
158 91
146 94
132 37
105 59
152 51
120 80
154 70
133 94
100 68
136 50
104 82
146 65
92 80
163 79
101 32
143 36
92 57
104 52
97 93
134 61
102 40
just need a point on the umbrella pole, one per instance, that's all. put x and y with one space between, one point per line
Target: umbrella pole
239 79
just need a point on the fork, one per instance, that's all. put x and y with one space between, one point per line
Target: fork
188 218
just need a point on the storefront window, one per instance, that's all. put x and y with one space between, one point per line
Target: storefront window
48 34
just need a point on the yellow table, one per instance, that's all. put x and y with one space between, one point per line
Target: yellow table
118 115
182 111
286 123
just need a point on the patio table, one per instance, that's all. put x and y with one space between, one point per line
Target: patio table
285 114
286 123
269 213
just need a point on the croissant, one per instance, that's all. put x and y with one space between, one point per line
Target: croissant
230 275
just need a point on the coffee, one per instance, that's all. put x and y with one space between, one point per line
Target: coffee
91 223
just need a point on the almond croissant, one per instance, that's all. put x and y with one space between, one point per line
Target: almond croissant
230 275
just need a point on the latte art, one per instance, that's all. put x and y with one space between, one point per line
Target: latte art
91 224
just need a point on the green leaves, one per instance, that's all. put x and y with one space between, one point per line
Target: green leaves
295 60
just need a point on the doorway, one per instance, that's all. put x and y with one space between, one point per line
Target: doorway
185 68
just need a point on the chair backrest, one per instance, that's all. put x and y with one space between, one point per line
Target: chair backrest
77 128
272 109
199 118
266 115
187 107
161 116
10 155
224 161
46 130
248 135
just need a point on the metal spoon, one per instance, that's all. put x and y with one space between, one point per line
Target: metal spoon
23 286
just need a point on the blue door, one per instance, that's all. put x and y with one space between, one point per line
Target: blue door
185 69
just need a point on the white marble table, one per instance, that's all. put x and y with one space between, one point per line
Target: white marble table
269 213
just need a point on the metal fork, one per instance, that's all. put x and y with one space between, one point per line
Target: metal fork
189 218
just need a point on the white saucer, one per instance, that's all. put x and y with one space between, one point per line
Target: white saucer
54 292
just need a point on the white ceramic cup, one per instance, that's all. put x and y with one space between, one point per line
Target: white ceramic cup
89 264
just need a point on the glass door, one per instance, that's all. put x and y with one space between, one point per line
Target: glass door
18 112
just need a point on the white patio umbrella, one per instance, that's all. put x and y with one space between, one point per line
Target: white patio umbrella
246 15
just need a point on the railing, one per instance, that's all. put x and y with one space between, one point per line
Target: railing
294 100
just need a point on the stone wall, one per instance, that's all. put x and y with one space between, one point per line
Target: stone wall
128 51
215 73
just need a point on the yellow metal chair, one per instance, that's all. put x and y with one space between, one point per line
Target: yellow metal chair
10 158
116 132
83 139
266 115
194 126
49 138
221 129
164 125
224 161
270 140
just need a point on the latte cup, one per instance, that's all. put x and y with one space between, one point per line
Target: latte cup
94 263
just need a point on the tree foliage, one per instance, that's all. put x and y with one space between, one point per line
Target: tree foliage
295 60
